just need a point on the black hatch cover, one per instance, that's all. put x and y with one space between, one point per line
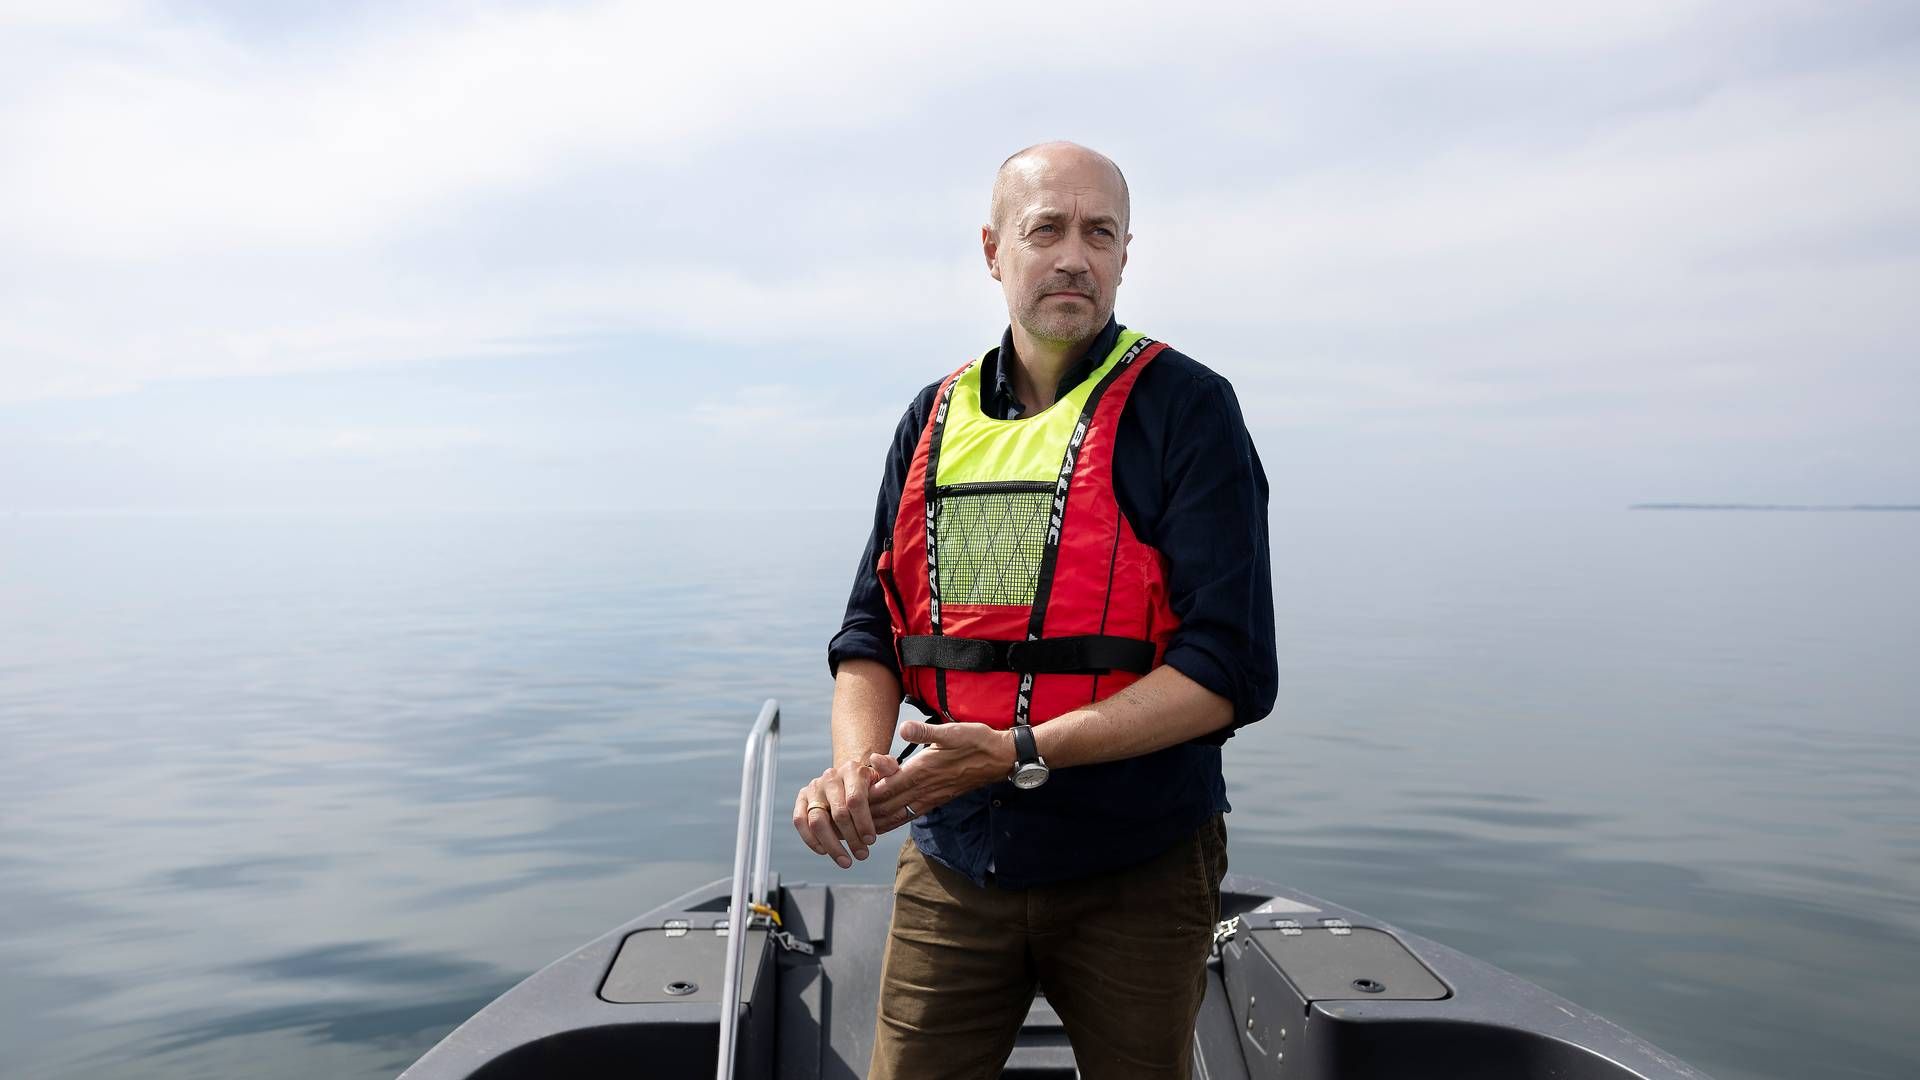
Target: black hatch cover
1333 964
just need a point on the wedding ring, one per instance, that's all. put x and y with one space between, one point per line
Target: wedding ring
811 807
910 814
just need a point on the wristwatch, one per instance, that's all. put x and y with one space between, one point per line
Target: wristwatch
1029 768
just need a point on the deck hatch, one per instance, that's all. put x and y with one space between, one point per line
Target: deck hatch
1332 963
656 966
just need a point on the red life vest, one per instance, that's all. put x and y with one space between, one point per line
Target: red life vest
1015 598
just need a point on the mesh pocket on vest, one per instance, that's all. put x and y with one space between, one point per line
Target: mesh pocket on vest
988 539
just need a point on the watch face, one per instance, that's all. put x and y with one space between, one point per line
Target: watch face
1029 776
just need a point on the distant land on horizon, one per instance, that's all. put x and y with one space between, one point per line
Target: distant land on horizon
1788 507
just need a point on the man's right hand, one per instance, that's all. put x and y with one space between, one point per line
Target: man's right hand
832 813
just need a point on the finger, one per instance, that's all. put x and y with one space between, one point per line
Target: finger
854 777
878 768
891 820
886 791
801 812
821 823
889 796
842 816
918 731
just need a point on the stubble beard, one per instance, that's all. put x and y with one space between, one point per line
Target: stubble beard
1062 324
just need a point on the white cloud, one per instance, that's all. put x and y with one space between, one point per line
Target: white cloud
198 142
169 139
381 442
68 14
1682 257
181 201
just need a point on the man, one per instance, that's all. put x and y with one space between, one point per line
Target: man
1069 576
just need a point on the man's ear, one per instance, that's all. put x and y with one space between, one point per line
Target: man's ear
990 247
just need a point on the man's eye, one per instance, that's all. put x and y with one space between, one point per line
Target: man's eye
1043 228
1100 230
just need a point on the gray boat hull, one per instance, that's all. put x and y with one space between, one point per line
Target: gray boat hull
1302 990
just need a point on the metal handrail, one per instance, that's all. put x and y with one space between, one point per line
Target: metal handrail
752 848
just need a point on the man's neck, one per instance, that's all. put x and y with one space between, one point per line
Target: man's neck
1037 370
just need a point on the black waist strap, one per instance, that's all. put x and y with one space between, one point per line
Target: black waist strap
1087 654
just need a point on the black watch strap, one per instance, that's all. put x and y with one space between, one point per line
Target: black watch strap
1025 751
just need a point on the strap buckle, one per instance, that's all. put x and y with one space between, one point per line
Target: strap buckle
1011 654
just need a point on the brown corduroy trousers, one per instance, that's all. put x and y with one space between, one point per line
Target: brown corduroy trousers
1120 956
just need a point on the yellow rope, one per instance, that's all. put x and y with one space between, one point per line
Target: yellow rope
762 909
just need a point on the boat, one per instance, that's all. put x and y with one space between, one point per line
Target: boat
1298 989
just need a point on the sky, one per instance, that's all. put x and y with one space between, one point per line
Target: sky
629 256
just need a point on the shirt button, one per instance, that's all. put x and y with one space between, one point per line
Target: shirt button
997 804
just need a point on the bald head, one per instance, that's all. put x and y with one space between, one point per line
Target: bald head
1057 243
1028 170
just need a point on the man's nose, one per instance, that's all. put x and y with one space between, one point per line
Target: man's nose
1070 255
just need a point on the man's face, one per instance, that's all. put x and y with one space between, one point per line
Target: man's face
1060 245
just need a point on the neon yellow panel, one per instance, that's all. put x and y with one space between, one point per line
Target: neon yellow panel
977 449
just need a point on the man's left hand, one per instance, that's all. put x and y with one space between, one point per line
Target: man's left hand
955 759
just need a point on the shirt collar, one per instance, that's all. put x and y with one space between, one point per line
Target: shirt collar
1003 404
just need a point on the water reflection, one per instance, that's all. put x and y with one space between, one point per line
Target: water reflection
394 1025
259 874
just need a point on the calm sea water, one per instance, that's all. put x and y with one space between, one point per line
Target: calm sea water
292 796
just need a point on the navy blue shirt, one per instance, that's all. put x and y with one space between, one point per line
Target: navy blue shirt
1187 477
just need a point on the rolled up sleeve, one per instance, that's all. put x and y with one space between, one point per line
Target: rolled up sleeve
865 633
1214 534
